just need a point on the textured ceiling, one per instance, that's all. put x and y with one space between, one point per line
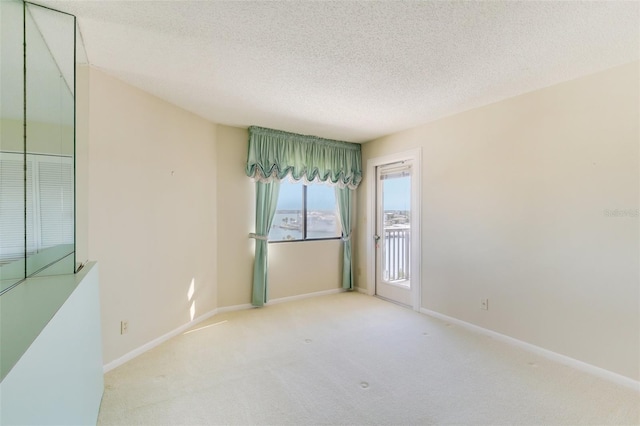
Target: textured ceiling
350 70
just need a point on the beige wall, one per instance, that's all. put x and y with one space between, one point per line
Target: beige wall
304 267
152 231
514 209
152 213
236 199
294 268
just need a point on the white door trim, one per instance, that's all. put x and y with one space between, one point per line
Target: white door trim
415 155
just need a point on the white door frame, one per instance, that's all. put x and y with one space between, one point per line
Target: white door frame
415 155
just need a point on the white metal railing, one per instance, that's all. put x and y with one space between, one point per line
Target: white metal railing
396 253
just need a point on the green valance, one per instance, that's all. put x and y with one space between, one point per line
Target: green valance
274 154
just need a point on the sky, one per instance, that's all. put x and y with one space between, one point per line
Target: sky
397 195
319 197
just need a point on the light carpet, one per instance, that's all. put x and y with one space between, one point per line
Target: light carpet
351 359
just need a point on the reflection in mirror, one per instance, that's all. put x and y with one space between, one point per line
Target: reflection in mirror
38 142
81 155
12 202
50 138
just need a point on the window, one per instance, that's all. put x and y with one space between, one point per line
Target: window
305 212
48 192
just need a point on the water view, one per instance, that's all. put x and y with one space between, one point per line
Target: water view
287 225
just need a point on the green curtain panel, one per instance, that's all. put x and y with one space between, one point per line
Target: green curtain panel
266 202
343 195
274 154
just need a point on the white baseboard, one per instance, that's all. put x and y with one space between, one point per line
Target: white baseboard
235 308
362 290
554 356
155 342
304 296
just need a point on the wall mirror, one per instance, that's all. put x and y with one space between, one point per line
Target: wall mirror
37 142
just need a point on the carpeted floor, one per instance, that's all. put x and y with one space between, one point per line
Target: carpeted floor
351 359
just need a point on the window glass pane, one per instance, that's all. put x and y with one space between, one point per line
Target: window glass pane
322 218
396 195
287 223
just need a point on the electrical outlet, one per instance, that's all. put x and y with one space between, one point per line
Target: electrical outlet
484 304
124 326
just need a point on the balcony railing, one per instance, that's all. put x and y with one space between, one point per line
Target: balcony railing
396 254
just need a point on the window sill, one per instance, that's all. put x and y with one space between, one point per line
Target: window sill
304 241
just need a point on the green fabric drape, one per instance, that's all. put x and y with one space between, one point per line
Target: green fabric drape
266 202
274 154
343 195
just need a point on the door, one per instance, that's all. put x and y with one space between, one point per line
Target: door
393 232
